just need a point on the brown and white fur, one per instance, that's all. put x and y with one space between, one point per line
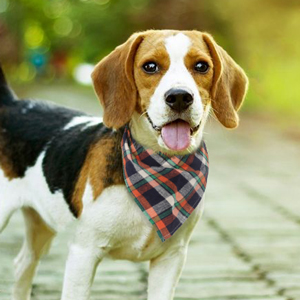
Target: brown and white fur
108 222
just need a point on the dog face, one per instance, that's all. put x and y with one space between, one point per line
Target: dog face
164 83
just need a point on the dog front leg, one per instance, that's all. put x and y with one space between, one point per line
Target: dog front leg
165 272
81 266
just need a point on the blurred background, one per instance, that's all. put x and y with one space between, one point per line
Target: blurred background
59 41
247 246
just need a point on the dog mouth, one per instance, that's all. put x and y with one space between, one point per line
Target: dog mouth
176 134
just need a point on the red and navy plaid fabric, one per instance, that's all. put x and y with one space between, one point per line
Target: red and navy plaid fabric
167 189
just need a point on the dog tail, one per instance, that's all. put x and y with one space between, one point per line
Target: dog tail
7 96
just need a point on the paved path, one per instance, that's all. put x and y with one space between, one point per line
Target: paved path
247 245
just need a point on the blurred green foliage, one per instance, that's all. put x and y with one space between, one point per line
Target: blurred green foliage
262 36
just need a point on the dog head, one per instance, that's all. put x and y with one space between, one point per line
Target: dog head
163 82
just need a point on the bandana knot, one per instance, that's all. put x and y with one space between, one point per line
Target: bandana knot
166 189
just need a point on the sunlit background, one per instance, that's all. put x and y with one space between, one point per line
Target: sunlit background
60 40
247 246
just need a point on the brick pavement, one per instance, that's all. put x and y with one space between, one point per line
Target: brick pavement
247 245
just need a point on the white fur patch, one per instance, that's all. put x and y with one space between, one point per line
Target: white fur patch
90 121
88 194
177 46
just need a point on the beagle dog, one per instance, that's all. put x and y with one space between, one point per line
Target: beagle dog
59 165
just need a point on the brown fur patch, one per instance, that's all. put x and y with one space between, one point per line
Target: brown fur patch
6 164
114 83
230 84
199 52
152 49
102 167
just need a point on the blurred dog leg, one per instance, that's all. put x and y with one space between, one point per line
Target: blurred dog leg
37 242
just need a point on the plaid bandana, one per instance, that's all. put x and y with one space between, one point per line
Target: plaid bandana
166 189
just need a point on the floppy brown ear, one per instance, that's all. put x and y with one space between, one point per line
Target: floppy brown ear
114 83
229 87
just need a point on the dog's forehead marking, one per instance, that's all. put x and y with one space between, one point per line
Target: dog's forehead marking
177 46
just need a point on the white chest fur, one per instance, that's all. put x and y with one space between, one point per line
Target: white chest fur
120 227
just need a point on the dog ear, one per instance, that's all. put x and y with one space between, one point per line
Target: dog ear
229 87
114 83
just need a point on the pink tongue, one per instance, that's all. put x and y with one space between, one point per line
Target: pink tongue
176 135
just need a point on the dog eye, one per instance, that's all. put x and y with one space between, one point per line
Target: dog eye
201 67
150 67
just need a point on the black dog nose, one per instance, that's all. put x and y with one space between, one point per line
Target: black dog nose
178 99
